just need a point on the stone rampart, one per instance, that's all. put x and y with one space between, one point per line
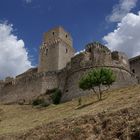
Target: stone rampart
135 66
58 68
96 56
72 90
28 87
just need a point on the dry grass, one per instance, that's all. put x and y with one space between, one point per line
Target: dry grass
16 118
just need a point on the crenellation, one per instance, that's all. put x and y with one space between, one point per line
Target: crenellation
27 73
60 68
100 55
120 59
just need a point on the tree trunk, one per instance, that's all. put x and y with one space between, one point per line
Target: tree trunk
100 93
95 93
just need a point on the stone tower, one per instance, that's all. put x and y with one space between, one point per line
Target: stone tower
56 50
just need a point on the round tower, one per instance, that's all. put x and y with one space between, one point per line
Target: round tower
100 54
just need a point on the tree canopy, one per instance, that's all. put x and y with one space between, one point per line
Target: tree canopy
98 80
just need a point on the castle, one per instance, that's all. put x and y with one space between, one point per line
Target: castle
59 67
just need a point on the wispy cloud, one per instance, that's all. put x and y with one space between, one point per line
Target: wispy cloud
121 10
28 1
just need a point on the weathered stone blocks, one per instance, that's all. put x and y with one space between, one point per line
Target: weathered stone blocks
59 68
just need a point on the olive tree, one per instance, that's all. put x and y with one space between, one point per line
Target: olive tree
98 80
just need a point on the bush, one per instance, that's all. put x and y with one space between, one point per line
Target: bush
50 91
44 104
56 96
79 101
37 102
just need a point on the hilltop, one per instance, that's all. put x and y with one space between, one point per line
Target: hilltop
117 116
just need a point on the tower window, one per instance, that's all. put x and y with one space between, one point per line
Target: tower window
66 50
46 51
67 90
133 70
66 36
53 33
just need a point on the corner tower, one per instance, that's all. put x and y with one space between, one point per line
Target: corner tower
56 50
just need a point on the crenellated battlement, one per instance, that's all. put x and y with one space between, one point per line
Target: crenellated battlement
120 59
97 45
57 34
60 68
98 55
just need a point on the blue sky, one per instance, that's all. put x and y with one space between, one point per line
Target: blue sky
86 20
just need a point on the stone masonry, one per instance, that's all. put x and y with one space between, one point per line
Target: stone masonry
59 67
135 66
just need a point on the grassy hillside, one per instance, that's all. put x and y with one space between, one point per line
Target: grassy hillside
117 112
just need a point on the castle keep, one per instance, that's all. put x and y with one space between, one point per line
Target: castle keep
59 67
56 50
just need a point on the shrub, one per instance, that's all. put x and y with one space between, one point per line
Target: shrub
37 102
79 101
45 104
56 96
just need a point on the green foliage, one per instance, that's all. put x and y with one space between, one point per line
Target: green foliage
45 104
37 102
56 96
97 78
77 130
40 102
79 101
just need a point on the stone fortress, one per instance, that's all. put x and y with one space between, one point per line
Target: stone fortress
59 67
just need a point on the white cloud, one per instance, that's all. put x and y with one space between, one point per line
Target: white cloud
13 55
79 52
120 10
126 36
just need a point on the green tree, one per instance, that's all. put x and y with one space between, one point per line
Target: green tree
56 96
99 80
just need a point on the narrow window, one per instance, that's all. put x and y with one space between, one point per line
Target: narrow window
53 33
66 36
46 51
66 50
67 90
89 50
44 44
133 70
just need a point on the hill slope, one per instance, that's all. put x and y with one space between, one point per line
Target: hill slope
116 116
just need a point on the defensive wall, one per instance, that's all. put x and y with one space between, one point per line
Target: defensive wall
96 56
135 66
59 68
27 88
